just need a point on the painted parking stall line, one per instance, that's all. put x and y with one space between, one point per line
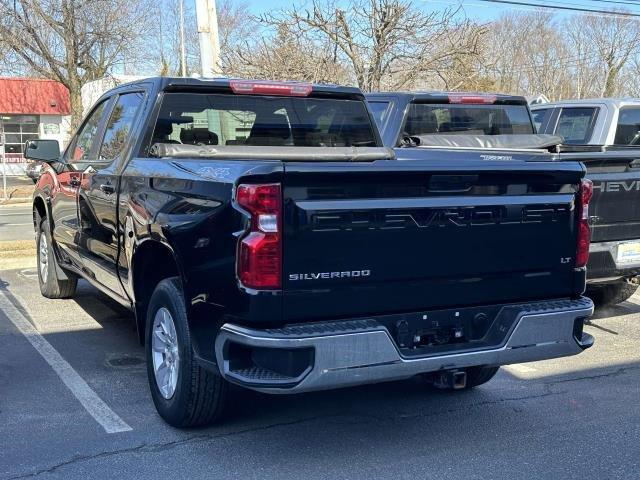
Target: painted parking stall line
89 399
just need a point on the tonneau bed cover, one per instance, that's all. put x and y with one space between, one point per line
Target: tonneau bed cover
512 141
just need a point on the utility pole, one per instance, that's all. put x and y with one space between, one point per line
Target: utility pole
183 54
208 37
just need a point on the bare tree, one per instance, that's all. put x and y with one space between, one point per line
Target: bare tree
169 38
612 41
287 56
236 29
72 41
524 55
583 63
388 44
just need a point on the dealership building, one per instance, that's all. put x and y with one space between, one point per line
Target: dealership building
30 108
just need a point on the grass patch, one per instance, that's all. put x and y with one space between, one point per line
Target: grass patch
17 248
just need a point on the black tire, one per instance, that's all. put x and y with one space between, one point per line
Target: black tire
51 285
612 294
199 395
477 376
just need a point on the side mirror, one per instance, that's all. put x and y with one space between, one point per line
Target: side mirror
43 150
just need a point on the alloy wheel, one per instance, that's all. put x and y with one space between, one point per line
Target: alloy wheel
165 354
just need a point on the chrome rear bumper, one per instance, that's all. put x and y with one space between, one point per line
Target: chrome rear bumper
356 352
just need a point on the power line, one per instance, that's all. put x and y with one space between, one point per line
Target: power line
562 7
576 60
620 2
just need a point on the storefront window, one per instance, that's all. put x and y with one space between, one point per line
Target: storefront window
17 129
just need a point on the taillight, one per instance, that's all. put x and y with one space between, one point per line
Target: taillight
292 89
259 262
584 232
472 99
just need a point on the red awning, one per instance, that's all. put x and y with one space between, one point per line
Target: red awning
32 96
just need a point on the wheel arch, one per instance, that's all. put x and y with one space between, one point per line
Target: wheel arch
152 262
40 211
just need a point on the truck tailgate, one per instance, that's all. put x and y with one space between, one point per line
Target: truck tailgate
398 236
614 210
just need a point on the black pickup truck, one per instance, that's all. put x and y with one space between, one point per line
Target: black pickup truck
264 236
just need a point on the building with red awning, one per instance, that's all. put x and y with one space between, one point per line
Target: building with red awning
31 108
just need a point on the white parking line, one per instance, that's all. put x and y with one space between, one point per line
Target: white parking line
92 403
16 224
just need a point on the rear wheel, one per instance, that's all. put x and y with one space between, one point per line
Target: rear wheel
184 393
612 294
51 285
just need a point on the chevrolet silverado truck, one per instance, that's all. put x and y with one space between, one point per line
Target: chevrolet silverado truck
604 134
264 236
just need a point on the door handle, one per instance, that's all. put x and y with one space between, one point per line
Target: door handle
107 189
74 182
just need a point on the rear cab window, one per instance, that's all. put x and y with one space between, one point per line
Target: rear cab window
253 120
461 119
628 127
575 124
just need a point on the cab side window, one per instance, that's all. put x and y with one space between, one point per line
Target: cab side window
575 124
541 117
80 149
120 125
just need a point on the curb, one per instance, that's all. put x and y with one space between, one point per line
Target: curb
18 202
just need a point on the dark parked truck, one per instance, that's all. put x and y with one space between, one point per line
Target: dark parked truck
403 116
604 134
264 236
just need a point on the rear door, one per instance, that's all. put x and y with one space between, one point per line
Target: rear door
98 193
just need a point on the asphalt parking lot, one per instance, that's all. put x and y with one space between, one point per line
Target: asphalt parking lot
576 417
16 222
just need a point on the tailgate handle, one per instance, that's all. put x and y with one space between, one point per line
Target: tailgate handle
452 183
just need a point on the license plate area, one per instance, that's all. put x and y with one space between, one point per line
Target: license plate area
628 253
445 331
